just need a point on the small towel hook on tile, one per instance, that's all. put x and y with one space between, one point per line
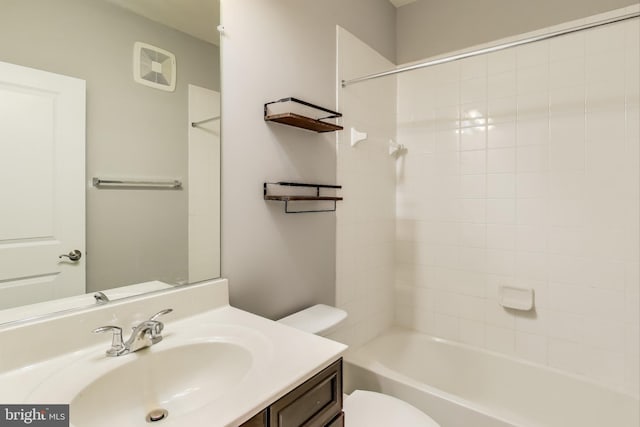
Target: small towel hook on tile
396 149
357 136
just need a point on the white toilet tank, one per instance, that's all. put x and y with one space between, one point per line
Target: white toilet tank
319 319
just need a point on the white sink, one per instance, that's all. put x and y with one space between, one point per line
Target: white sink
192 368
178 380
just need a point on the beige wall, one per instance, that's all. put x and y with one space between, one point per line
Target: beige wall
278 263
132 130
431 27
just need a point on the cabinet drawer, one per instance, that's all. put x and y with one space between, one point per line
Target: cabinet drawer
313 404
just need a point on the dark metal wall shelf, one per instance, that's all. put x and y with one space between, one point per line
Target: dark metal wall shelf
301 114
286 198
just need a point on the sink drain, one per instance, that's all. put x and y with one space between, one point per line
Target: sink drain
157 415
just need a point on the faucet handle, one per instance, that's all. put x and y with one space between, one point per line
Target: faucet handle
161 313
117 345
156 325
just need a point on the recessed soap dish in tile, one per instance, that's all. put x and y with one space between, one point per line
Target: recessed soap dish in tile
516 298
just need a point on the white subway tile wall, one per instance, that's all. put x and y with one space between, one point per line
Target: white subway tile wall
366 218
523 169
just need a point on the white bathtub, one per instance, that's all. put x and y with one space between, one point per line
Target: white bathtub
461 386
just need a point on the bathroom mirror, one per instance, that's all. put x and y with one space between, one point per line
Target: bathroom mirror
138 132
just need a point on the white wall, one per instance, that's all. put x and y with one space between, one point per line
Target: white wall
431 27
523 169
366 218
272 49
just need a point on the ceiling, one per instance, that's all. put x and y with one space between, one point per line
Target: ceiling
198 18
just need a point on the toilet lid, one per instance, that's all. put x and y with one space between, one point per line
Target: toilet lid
319 319
370 409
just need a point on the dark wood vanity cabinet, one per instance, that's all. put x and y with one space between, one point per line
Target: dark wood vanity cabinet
315 403
259 420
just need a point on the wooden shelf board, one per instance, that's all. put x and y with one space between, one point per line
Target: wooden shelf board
308 123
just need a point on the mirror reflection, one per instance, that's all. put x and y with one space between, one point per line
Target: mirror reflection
126 92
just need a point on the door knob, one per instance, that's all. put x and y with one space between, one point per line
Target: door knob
74 255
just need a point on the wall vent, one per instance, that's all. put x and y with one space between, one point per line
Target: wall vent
154 67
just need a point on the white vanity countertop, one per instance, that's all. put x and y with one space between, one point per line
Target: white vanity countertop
282 358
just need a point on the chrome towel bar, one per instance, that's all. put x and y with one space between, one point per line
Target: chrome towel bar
121 183
198 123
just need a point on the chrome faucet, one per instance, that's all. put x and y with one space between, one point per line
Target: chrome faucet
101 298
144 335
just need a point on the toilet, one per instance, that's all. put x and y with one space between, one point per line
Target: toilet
361 408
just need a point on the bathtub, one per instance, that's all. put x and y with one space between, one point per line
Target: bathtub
462 386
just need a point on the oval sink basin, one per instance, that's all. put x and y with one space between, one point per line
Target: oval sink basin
178 380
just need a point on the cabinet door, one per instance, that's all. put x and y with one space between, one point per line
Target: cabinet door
313 404
337 421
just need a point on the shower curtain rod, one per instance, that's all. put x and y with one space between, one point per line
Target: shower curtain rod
491 49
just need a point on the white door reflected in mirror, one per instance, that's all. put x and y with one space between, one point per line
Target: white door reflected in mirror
42 168
204 188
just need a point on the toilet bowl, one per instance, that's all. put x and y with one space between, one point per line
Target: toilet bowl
370 409
361 408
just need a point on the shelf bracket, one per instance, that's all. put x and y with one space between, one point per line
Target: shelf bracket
288 211
300 198
301 114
